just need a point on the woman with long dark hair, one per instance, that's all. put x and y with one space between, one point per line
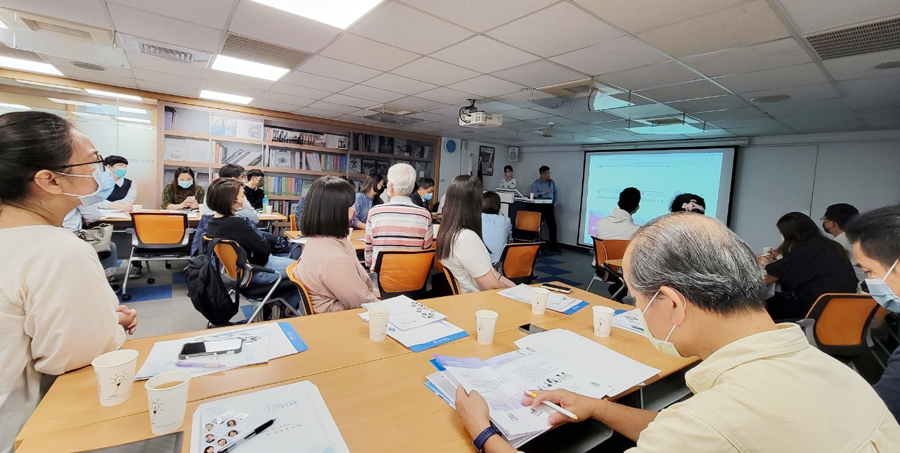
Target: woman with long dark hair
183 192
368 196
811 265
459 245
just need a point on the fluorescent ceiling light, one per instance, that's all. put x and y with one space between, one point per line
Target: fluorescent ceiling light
667 129
248 68
134 120
601 101
2 24
225 97
66 101
14 106
110 94
338 13
30 66
49 85
133 110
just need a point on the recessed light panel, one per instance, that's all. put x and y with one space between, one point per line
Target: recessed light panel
225 97
30 66
248 68
110 94
49 85
133 120
668 129
337 13
14 106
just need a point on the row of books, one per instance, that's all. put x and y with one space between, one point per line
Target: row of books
299 137
231 127
285 185
326 162
366 166
285 207
245 155
389 145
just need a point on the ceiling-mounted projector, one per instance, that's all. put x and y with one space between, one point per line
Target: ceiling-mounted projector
470 116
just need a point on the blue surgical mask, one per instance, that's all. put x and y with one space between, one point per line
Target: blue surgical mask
185 184
105 186
663 346
882 293
120 172
428 196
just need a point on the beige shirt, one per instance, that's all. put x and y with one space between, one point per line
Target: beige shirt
773 392
57 313
335 280
468 260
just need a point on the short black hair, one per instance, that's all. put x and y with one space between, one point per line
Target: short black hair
629 199
254 173
325 208
222 194
490 203
543 169
841 214
686 198
507 168
109 161
231 171
878 234
425 183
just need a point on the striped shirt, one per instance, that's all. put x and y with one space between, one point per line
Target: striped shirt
397 225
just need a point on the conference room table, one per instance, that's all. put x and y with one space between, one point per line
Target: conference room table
193 216
357 237
374 390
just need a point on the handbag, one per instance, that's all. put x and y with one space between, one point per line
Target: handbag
98 236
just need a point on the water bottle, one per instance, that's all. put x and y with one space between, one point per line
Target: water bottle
265 202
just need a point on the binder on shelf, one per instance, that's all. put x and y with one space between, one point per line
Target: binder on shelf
249 129
368 166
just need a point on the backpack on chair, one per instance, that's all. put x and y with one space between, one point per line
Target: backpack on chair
207 291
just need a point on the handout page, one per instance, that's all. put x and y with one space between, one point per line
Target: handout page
424 337
536 371
113 214
406 313
556 301
628 321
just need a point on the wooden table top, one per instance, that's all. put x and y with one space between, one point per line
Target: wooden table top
357 238
193 216
339 359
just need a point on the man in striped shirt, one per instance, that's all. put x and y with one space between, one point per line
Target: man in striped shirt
398 224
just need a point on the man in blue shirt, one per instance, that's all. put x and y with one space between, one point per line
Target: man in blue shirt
545 188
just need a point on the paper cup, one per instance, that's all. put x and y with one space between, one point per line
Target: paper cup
167 396
268 209
539 298
378 322
137 207
486 322
115 376
603 318
531 196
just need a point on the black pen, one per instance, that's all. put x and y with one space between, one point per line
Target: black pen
256 431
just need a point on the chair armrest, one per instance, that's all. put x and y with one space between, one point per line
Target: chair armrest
256 268
808 326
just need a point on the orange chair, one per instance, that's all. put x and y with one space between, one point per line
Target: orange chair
527 227
157 236
305 302
609 249
293 218
838 324
454 284
403 272
518 260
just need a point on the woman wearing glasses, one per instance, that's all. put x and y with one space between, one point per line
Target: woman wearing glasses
57 312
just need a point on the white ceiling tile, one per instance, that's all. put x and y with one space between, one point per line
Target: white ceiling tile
570 29
479 15
452 111
652 13
862 66
372 94
336 69
683 91
328 106
655 75
483 54
365 52
539 73
814 15
526 114
108 79
591 117
294 90
163 29
496 106
239 80
278 27
313 81
161 77
406 28
282 98
762 131
876 114
317 113
447 96
872 102
616 55
231 89
798 94
139 60
707 104
66 67
770 55
487 86
818 117
794 108
398 84
271 105
730 115
421 105
155 87
643 111
882 86
434 71
884 123
790 76
582 128
211 13
349 101
749 122
836 126
87 12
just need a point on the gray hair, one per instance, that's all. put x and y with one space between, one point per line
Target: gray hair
699 257
403 177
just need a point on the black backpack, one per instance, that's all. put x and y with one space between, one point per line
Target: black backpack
207 291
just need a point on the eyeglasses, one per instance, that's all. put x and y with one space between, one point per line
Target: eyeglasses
98 161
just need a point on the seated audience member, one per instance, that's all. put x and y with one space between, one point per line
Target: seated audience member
253 188
183 192
688 202
365 199
423 193
459 245
619 224
246 212
237 172
811 265
834 221
496 229
125 191
759 387
508 181
875 236
226 198
398 224
328 266
59 312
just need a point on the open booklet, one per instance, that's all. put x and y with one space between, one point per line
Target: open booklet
556 301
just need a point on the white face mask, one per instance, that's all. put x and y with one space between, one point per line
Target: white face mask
663 346
882 293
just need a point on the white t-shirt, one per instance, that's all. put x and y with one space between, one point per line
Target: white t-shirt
469 259
845 243
57 313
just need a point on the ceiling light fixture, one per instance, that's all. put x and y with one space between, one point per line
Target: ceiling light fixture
110 94
133 120
3 24
49 85
66 101
225 97
668 129
132 110
337 13
248 68
14 106
30 66
888 65
599 101
770 99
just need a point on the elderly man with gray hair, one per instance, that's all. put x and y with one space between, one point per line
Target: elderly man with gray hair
760 387
398 224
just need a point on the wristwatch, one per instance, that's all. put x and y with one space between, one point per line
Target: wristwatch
483 437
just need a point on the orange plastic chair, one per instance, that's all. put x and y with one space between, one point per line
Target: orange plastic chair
527 227
293 218
403 272
157 236
838 324
604 250
518 260
454 283
305 301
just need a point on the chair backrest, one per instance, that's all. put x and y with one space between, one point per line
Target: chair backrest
528 221
227 252
293 218
518 259
454 284
159 229
842 322
403 271
301 288
610 249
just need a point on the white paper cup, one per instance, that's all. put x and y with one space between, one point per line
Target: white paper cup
137 207
167 405
531 196
268 209
539 298
378 322
486 322
115 376
603 319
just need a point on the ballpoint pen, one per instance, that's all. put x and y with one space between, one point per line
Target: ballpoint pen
553 406
252 434
199 365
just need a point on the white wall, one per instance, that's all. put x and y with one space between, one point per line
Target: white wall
458 162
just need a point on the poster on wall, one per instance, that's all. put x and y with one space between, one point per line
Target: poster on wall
486 154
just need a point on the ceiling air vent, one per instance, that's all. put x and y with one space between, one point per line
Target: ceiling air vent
20 54
133 44
239 46
50 25
391 114
861 39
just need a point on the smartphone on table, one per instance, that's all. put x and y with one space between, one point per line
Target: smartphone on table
531 328
216 347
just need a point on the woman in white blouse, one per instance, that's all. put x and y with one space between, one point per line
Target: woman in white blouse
57 312
509 182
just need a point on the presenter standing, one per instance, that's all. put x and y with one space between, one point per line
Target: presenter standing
545 188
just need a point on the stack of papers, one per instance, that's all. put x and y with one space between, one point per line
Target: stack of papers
425 337
113 214
628 320
406 313
556 302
